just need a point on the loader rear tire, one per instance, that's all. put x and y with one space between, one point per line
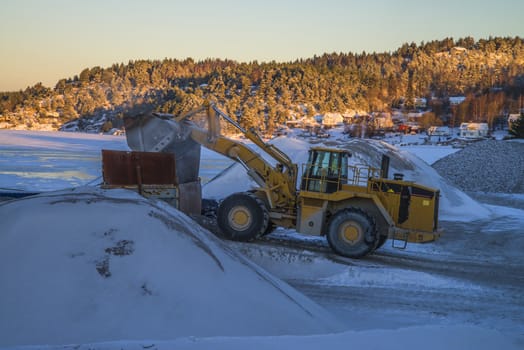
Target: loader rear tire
242 217
352 233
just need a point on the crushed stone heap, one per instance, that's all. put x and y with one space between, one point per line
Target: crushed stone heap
486 166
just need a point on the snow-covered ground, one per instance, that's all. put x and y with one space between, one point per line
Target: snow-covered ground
84 268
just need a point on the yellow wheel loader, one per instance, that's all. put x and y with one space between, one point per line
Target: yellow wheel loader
357 208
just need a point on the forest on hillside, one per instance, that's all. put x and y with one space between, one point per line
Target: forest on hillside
489 73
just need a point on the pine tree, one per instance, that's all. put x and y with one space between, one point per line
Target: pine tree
517 127
409 102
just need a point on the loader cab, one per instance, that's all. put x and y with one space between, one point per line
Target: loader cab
325 171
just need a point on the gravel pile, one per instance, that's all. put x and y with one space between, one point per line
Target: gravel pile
486 166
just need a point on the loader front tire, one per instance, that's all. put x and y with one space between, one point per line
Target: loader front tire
352 233
242 217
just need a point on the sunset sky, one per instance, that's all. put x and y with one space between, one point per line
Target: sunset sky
46 40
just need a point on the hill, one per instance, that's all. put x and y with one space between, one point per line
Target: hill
488 73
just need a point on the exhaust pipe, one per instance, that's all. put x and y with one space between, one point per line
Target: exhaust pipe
384 167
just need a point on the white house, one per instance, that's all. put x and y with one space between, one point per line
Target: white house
439 131
456 100
331 120
474 130
382 120
512 118
420 102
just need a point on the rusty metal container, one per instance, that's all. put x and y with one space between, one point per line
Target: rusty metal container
153 175
121 168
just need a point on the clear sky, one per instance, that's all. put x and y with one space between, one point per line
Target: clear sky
46 40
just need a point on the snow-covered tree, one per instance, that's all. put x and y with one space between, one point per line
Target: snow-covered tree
517 127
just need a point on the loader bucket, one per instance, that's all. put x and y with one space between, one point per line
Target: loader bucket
150 133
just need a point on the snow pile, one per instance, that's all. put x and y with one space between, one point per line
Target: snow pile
427 338
487 166
95 266
430 153
454 204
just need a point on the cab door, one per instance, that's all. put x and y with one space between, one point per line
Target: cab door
325 171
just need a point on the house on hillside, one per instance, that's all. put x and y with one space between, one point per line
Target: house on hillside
382 120
420 102
415 116
438 131
456 100
458 51
310 122
474 130
292 124
331 120
304 122
512 118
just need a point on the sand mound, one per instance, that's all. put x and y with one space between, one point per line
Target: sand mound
91 265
